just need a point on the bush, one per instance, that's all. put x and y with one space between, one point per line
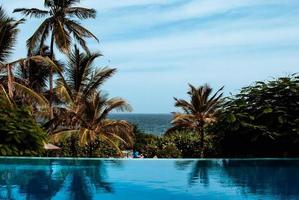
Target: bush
262 120
20 135
150 145
99 149
187 142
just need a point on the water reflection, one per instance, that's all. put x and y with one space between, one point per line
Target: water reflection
274 179
45 179
164 179
199 171
279 178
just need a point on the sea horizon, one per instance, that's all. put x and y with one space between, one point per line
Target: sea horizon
155 124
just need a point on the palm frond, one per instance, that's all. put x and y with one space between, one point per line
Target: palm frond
8 34
187 107
118 104
47 61
79 33
62 135
111 143
69 3
79 68
32 12
81 13
5 97
199 111
42 101
63 94
114 104
119 129
62 37
39 35
59 24
99 77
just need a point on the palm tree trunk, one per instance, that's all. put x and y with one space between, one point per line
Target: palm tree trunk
201 133
90 149
73 146
51 76
10 81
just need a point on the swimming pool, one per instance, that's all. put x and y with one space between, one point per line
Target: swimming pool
85 179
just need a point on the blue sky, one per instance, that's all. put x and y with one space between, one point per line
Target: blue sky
159 46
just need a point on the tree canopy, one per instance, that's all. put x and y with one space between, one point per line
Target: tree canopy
262 120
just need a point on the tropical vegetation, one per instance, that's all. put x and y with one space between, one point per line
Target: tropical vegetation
198 113
262 120
72 111
46 100
60 26
20 135
83 109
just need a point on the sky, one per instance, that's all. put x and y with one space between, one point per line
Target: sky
159 46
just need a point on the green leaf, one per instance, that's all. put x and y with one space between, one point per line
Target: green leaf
281 119
231 118
268 110
3 152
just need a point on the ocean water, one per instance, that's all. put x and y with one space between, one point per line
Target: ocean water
86 179
149 123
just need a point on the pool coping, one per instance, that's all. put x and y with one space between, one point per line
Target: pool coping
144 159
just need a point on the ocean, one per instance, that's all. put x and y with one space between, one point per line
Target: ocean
155 124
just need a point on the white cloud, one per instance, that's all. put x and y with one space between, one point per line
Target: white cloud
117 4
180 42
157 56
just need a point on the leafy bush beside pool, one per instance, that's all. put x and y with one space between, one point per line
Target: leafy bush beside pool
20 135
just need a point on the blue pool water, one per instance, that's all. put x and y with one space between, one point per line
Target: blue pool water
149 179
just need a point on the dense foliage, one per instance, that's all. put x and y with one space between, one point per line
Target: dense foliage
179 144
99 149
76 100
262 120
154 146
82 113
20 135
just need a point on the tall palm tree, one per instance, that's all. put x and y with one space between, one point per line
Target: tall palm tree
8 34
20 90
61 26
84 110
197 113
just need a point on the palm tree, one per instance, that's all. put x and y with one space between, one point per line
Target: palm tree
21 91
84 110
197 113
35 74
8 34
61 26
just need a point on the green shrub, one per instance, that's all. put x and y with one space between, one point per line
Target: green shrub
167 149
20 135
262 120
187 142
99 149
150 145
